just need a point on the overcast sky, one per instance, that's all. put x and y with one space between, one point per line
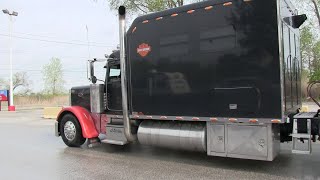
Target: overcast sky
57 28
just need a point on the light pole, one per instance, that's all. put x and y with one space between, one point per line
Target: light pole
10 15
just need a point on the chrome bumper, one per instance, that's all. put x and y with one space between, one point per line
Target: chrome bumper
56 129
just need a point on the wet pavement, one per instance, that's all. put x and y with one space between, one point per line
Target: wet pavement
29 150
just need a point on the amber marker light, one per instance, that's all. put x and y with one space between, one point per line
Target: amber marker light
134 29
159 18
227 4
276 121
253 120
190 11
233 120
208 7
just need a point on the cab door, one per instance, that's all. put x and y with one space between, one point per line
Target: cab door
113 83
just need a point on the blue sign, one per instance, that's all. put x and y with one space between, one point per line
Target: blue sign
4 95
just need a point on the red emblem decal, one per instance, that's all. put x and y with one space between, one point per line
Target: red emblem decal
143 49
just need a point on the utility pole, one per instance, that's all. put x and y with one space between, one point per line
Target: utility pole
10 15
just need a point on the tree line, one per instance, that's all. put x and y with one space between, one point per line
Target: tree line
52 74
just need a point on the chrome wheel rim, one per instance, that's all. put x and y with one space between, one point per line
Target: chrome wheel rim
69 130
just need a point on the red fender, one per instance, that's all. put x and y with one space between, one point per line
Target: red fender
87 124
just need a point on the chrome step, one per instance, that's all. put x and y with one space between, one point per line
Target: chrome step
115 135
109 141
302 136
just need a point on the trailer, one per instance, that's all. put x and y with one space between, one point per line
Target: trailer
220 77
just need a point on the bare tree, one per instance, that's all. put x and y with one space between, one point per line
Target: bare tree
311 8
20 79
316 9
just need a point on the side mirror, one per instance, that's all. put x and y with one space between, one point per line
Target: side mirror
90 71
296 21
299 20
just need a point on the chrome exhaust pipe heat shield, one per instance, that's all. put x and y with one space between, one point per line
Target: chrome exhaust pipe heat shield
190 136
122 36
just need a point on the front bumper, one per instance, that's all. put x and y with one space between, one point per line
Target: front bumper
56 128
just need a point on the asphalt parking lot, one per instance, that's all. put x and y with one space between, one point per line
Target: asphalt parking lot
29 150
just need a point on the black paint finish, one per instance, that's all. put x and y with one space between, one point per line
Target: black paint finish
221 62
80 96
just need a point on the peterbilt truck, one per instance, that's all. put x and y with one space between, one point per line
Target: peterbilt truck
220 77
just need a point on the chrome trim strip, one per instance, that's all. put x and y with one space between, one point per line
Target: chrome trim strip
191 118
280 39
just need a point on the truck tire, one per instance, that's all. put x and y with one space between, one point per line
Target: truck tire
71 131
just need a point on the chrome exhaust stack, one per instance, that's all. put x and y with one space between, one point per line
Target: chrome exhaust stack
124 83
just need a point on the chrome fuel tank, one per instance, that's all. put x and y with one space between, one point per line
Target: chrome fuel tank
189 136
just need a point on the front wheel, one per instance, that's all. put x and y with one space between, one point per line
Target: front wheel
70 131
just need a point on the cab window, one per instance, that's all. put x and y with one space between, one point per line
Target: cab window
114 71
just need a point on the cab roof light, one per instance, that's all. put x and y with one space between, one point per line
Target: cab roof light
174 15
134 29
227 4
145 21
159 18
191 11
208 7
247 0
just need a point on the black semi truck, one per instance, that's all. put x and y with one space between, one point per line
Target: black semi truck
219 76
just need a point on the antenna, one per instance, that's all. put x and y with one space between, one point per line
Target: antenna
89 56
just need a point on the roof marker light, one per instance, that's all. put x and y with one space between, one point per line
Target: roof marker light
227 4
159 18
179 118
134 29
145 21
247 0
174 15
149 117
208 7
136 116
190 11
195 119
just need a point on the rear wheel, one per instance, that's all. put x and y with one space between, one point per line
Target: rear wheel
70 131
